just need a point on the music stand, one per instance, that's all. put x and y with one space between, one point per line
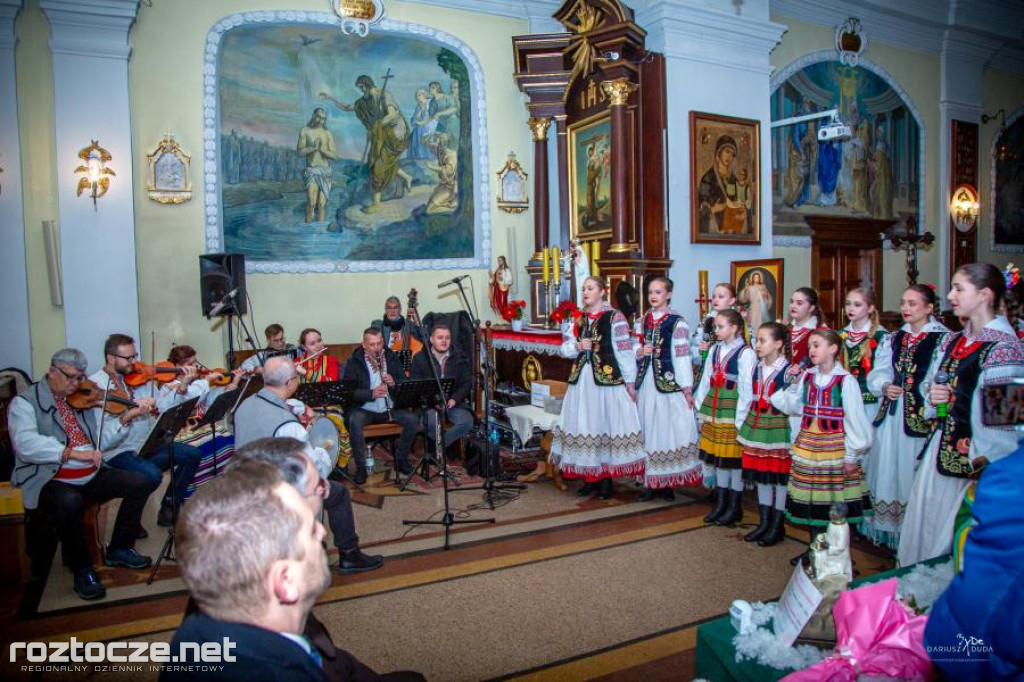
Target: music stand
429 392
218 410
170 422
420 394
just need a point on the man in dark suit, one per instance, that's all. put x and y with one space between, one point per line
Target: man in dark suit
374 370
449 363
252 556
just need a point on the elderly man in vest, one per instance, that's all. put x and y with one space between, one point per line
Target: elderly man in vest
268 415
58 467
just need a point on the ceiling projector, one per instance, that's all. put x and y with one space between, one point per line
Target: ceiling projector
834 131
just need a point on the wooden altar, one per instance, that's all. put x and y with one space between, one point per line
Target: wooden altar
604 91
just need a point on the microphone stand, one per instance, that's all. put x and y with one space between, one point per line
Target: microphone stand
491 489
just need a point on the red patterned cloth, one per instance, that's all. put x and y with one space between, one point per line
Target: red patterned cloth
76 436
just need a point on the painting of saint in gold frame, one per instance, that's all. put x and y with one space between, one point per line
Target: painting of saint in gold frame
590 169
725 169
759 289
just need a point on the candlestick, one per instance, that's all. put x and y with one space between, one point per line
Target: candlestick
595 250
556 264
547 321
545 275
702 289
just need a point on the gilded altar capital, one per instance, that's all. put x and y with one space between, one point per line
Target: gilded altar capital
539 126
618 90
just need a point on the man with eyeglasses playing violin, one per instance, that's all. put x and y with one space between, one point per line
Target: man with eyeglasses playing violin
59 467
132 427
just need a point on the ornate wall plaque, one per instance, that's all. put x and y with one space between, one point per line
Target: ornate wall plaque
512 186
170 178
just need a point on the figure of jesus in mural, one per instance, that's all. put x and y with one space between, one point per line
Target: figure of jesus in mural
317 144
387 136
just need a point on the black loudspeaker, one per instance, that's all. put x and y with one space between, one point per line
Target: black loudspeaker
219 275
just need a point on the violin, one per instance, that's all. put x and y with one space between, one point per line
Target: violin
90 395
161 372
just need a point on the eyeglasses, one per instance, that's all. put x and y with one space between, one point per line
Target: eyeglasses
70 377
129 358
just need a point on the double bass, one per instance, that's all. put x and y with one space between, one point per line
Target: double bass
405 344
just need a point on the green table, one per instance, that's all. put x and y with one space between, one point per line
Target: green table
716 655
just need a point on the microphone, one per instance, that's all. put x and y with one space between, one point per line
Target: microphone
942 409
453 280
222 303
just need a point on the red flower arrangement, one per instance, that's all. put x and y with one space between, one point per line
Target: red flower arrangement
565 310
513 311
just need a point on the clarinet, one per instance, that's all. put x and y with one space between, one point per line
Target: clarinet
381 365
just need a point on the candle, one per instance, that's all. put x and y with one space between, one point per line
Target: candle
596 251
556 264
545 272
702 290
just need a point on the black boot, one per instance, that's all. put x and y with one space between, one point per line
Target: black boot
647 495
776 530
762 527
815 530
586 489
733 511
720 495
668 494
605 490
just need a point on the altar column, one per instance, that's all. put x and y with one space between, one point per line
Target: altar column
539 126
618 92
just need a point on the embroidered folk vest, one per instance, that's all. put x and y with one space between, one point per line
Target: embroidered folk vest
602 357
824 404
859 359
964 363
910 360
659 335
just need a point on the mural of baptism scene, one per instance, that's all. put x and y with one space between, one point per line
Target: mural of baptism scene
340 148
874 174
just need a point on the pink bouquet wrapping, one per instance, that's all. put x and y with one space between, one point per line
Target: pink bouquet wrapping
875 635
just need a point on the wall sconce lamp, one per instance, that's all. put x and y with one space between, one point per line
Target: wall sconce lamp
96 171
964 208
1002 150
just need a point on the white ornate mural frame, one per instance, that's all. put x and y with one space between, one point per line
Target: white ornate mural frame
211 151
991 199
782 76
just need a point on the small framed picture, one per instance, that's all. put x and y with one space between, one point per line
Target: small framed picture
590 186
759 289
725 169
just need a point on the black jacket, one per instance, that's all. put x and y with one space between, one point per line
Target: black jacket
357 373
456 368
255 649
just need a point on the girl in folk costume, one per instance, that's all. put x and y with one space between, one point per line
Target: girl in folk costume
718 394
765 434
664 397
834 435
323 367
1014 300
861 337
959 445
723 297
803 319
597 436
901 363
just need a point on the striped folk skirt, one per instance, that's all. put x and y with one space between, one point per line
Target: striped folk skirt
719 447
817 479
765 441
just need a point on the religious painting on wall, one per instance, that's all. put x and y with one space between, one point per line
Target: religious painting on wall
759 289
725 168
337 152
1008 194
590 186
876 173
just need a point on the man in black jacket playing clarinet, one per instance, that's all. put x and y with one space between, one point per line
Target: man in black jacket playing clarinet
375 370
450 363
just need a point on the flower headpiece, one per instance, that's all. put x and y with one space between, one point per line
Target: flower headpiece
1012 275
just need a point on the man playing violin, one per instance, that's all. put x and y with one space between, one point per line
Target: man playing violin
134 425
276 345
273 413
450 363
374 370
58 467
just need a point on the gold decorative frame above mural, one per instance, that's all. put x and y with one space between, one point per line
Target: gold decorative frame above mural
170 177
